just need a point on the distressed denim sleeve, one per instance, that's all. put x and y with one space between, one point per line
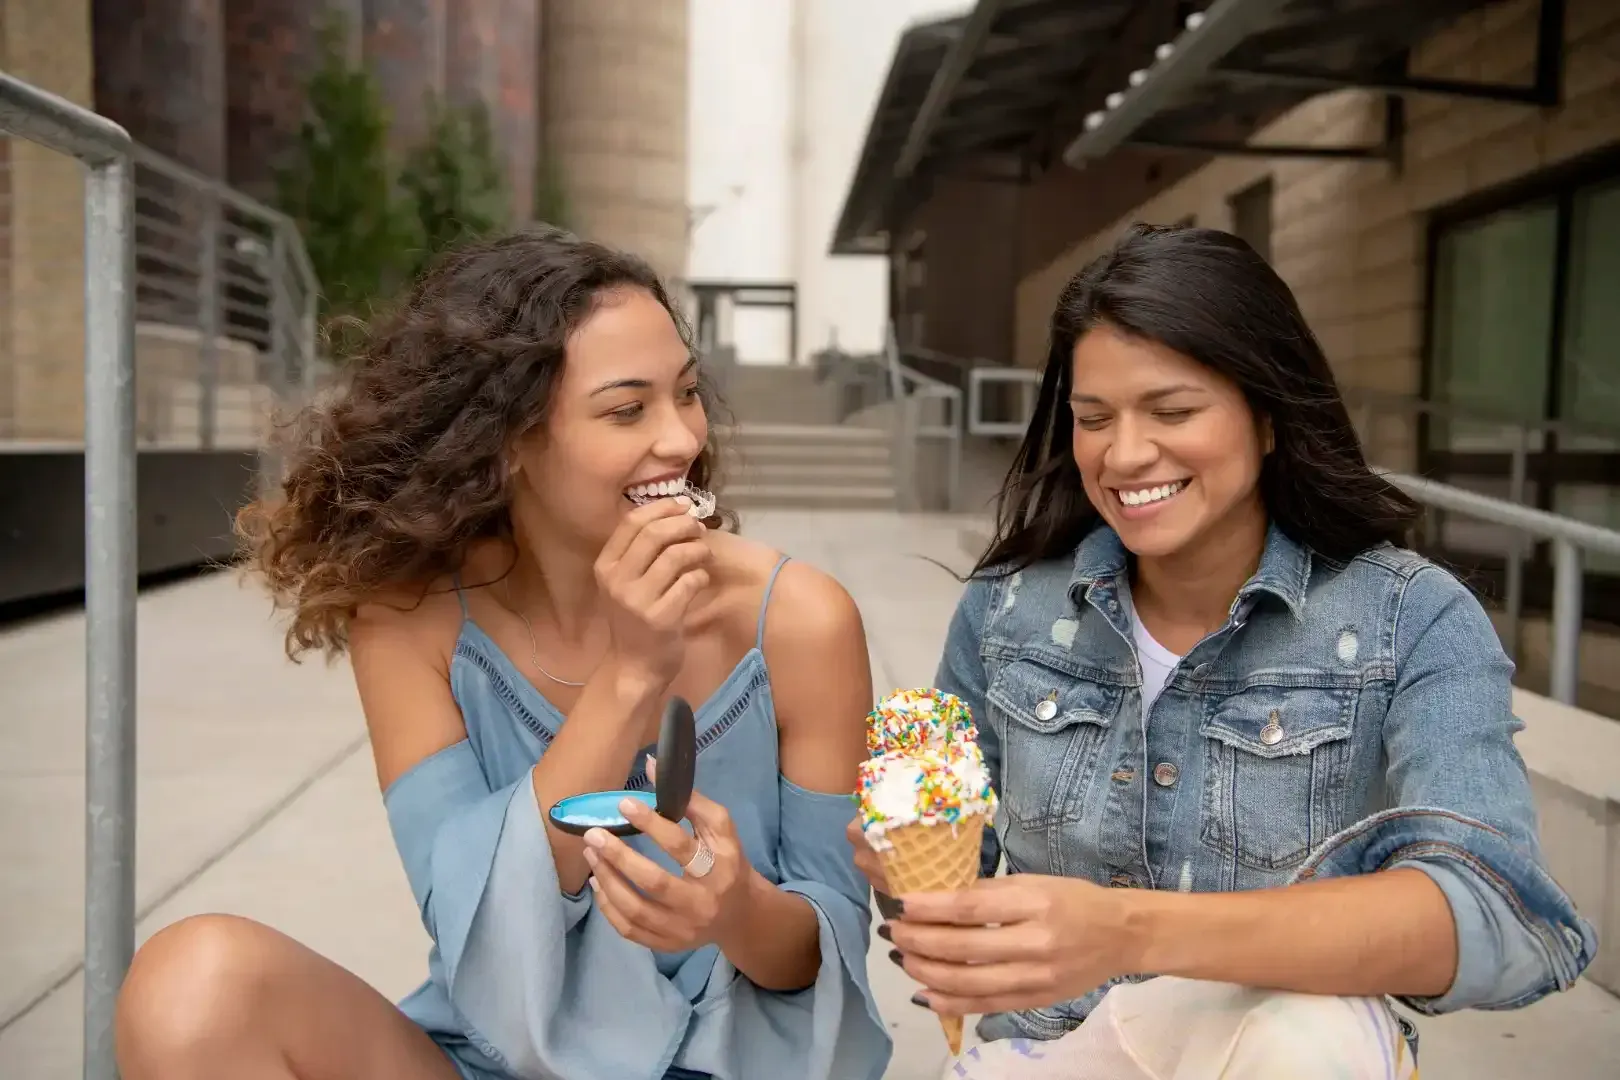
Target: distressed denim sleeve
961 672
1461 810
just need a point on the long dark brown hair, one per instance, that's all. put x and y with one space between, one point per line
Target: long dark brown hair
394 477
1207 295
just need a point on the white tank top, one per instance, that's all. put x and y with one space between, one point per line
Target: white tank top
1156 660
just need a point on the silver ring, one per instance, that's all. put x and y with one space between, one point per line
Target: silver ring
701 862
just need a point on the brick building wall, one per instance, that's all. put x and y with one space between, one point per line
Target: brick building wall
47 43
492 50
517 115
1350 237
405 47
614 121
272 48
160 72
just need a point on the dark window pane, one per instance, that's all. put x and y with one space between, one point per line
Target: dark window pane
1493 311
1589 388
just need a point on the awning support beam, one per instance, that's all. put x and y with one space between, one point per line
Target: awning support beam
1237 149
1219 30
974 32
1200 51
1545 91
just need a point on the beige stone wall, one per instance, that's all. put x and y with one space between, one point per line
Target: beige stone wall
614 108
168 392
47 43
1349 237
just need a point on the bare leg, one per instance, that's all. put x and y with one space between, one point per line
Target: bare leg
226 998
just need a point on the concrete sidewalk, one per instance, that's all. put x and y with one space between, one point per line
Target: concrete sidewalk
257 797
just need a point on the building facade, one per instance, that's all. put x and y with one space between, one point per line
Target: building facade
1439 184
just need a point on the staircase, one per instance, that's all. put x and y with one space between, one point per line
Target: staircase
787 449
809 466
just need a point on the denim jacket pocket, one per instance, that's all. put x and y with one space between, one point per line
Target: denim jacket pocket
1276 771
1052 726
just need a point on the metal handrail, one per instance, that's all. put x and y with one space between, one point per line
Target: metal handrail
110 556
1569 539
910 388
165 247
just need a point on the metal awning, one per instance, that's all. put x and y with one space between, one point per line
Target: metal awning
1015 86
973 92
1240 63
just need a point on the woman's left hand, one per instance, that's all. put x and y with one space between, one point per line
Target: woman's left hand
670 912
1017 942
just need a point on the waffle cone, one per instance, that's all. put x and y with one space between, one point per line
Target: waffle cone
935 858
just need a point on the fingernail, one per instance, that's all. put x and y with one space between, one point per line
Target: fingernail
596 886
595 838
590 858
884 932
629 808
919 1001
682 500
895 955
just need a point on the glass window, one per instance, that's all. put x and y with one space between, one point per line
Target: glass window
1493 313
1589 378
1251 216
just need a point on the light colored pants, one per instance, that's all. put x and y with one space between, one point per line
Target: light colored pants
1180 1029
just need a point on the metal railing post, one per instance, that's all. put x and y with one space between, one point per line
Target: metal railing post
110 584
1565 658
208 326
1513 577
109 539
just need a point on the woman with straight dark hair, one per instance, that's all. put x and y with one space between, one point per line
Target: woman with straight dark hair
1239 733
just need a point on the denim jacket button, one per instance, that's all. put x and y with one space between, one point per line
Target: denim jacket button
1122 881
1165 774
1046 710
1201 671
1272 733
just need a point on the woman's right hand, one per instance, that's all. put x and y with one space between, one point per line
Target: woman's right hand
651 569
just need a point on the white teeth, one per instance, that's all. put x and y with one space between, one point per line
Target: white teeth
1146 496
703 503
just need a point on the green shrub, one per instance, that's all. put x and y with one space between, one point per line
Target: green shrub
338 188
453 183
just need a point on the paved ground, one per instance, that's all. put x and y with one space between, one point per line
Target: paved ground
257 797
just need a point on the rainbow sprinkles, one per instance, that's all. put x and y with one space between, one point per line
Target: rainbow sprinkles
936 786
914 720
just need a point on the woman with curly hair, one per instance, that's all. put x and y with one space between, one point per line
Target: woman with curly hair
498 520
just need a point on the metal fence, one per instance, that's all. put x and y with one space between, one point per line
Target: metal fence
198 315
223 301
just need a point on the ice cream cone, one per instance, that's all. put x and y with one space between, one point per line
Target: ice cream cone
924 812
941 857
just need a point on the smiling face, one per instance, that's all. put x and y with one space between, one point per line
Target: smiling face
625 419
1169 450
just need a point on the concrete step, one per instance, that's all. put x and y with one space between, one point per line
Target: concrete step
841 453
745 433
809 470
809 497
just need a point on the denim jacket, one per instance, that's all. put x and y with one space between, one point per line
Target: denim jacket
1348 717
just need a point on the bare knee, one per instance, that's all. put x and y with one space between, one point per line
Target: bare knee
195 994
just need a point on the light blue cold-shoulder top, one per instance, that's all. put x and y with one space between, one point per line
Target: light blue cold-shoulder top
528 982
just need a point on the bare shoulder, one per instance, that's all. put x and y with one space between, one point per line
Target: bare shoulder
399 648
821 676
808 607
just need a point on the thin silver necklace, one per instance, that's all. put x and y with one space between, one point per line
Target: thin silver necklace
534 647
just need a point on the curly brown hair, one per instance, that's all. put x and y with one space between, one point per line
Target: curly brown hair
395 476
